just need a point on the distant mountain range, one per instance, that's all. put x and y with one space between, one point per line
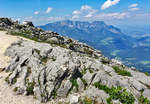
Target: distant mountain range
107 38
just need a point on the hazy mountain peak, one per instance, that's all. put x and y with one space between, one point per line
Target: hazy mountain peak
98 22
84 26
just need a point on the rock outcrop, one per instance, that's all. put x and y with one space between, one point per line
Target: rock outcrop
57 68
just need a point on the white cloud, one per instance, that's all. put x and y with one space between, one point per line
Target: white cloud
28 18
75 17
85 7
115 15
85 11
36 12
41 20
55 18
16 19
134 9
88 15
49 10
76 12
143 16
133 5
109 3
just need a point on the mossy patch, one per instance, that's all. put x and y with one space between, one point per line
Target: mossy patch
121 71
44 60
84 70
84 82
37 51
147 74
15 89
14 80
116 93
7 78
88 51
74 84
54 94
2 29
29 87
29 70
87 100
143 100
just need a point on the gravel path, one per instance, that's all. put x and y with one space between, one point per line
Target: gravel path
7 96
5 41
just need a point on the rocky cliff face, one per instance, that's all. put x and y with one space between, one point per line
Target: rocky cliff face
59 69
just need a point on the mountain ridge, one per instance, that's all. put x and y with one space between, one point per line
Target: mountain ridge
112 42
84 25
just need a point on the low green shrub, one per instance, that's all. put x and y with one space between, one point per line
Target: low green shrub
37 51
74 84
15 89
25 35
54 94
147 74
71 45
14 80
29 70
88 51
30 87
43 95
96 56
53 58
44 60
1 29
91 70
84 82
7 78
143 100
121 71
102 87
84 70
87 100
116 93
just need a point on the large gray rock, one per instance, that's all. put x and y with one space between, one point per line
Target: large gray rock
28 23
81 85
88 77
74 99
64 89
146 93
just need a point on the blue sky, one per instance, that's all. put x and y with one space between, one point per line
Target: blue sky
45 11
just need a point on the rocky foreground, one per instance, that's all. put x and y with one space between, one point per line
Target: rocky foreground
59 69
